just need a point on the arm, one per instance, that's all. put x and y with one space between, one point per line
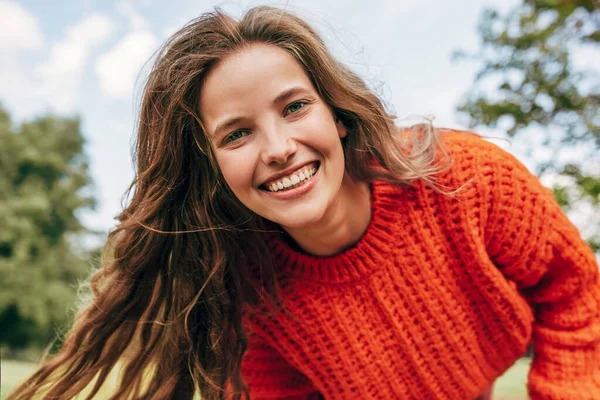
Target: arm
533 243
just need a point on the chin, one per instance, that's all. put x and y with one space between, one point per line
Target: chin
296 224
299 219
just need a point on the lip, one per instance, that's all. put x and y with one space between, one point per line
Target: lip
297 191
286 172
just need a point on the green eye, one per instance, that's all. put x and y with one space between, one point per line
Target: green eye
294 107
237 135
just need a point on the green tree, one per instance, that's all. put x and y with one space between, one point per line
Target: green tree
529 79
44 182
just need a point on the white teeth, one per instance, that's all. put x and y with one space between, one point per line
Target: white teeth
293 179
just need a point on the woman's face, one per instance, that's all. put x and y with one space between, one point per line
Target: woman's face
277 143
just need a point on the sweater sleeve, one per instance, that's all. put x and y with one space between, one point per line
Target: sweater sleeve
533 243
269 376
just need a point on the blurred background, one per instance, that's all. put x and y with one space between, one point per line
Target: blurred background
71 73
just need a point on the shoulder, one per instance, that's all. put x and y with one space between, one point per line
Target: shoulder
494 183
489 180
468 146
475 157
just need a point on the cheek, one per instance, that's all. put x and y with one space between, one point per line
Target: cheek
238 173
323 133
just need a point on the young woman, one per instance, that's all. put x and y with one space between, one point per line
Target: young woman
286 240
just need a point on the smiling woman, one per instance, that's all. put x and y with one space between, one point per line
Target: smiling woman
286 241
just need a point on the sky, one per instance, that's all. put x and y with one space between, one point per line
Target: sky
90 58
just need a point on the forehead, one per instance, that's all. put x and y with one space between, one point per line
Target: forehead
249 77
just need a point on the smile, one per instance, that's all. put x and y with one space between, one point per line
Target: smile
293 180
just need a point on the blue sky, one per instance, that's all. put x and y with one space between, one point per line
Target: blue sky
89 58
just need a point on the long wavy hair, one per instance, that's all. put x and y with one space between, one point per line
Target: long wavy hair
180 267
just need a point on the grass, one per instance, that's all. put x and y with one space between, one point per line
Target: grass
511 386
12 373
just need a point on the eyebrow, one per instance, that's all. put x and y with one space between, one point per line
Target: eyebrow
228 124
285 95
282 97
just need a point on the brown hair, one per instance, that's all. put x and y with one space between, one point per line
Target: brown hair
167 302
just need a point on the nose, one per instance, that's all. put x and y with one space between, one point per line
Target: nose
278 145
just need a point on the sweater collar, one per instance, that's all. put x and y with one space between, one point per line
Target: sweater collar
356 262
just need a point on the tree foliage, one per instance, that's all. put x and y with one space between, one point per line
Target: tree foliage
529 79
44 182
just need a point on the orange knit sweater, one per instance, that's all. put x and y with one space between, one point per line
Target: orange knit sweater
440 296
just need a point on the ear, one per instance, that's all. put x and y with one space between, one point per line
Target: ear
342 132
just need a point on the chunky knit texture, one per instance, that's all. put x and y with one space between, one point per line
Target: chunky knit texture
440 296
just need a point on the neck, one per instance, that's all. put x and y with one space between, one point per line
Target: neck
342 226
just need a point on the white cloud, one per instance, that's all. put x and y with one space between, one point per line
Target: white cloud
19 29
118 68
61 74
136 21
19 33
68 56
53 83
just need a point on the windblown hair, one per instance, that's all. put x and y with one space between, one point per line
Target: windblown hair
178 270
